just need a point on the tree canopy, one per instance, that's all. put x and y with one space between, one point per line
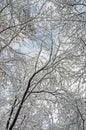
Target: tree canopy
42 64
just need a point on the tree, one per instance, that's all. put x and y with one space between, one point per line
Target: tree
44 89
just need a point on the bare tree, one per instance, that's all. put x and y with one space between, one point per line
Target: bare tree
42 64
